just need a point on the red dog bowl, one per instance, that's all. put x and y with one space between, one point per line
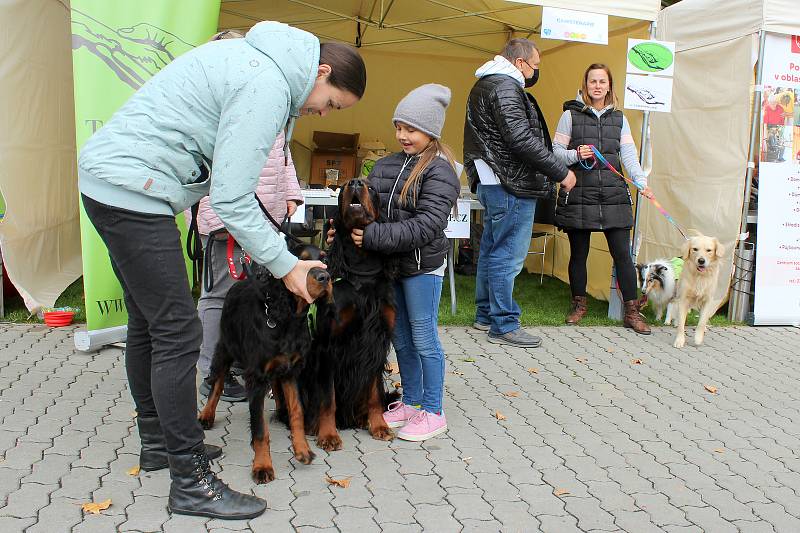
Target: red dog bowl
57 319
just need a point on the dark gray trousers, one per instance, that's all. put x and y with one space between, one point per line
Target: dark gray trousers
164 332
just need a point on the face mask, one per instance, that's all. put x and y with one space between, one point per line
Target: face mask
530 82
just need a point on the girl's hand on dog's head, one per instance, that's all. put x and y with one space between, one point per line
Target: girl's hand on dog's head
358 236
295 280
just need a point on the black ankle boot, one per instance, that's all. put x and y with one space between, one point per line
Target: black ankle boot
153 455
196 490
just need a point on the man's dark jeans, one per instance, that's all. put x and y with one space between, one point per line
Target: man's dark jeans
164 332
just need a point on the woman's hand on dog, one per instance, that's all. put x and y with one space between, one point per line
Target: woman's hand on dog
295 280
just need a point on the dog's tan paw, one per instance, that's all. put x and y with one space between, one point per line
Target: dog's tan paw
680 342
329 443
206 421
263 474
698 338
381 433
304 456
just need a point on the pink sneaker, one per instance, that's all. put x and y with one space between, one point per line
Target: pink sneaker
398 414
422 426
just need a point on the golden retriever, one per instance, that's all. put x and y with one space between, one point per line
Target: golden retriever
696 286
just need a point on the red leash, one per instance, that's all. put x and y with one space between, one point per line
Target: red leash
232 263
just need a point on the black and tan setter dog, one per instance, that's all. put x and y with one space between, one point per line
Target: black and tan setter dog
341 384
266 329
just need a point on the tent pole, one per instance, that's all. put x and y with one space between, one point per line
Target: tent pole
614 297
736 298
645 142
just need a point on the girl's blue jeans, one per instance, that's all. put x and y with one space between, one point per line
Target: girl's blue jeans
416 341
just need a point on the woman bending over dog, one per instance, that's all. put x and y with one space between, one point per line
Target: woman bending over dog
220 105
418 187
600 200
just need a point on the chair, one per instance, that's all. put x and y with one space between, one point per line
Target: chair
545 236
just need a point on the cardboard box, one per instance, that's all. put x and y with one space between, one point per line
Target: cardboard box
335 151
321 161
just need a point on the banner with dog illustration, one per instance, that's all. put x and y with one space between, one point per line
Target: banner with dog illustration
777 280
117 46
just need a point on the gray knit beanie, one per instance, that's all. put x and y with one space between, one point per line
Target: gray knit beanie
423 108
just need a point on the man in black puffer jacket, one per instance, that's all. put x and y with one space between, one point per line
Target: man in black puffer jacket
510 165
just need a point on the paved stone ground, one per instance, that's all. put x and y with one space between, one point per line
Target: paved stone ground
590 442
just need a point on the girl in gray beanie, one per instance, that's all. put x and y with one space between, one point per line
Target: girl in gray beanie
418 187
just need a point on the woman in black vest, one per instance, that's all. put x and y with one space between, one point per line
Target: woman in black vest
601 200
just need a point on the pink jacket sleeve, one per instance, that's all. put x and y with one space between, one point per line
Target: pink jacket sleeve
292 185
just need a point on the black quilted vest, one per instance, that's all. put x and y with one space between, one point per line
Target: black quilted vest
600 200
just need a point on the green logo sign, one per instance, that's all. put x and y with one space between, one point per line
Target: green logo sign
651 57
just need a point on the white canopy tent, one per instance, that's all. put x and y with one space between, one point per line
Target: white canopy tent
702 148
404 44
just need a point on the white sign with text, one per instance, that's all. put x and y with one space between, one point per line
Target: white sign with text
569 25
648 93
458 224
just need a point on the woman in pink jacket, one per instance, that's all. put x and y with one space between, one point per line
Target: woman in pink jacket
279 191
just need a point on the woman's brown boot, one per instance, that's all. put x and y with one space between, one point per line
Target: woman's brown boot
578 310
633 319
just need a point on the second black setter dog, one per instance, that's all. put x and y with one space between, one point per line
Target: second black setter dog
266 329
341 384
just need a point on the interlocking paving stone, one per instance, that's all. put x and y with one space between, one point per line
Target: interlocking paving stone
638 448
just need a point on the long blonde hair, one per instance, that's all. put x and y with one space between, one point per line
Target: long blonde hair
434 149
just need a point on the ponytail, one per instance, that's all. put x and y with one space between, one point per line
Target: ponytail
348 72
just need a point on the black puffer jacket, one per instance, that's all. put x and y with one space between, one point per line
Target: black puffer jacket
414 232
507 131
600 199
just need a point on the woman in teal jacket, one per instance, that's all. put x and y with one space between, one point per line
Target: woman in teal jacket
218 106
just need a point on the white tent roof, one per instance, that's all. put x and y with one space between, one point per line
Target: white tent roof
694 23
460 28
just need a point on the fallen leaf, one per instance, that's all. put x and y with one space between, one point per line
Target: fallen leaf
456 373
533 370
581 360
560 492
392 368
95 508
511 393
396 384
466 459
610 350
468 360
134 471
500 416
710 388
719 450
636 362
344 483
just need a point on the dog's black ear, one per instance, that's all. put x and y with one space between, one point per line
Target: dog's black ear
661 269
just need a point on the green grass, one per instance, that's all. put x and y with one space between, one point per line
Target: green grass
542 305
71 297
